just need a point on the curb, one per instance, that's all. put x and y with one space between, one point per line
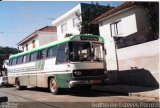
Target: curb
137 91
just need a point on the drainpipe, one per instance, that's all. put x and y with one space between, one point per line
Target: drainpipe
116 73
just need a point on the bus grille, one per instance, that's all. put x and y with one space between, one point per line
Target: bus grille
97 72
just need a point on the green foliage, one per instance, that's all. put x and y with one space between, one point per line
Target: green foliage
68 34
89 13
152 11
5 53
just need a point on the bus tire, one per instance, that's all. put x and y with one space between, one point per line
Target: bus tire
53 86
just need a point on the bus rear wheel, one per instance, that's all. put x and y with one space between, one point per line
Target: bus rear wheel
53 86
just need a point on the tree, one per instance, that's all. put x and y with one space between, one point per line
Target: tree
5 52
88 14
152 12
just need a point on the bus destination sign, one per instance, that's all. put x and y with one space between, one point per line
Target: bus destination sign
89 38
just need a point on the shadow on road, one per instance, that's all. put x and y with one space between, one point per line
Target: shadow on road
77 92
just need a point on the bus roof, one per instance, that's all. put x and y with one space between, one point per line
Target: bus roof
65 40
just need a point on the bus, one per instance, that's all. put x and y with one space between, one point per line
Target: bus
75 61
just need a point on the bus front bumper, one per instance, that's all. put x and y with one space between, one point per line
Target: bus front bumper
84 81
78 83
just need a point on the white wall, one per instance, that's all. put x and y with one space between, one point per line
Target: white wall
42 39
143 60
46 37
67 18
30 44
128 26
145 56
70 28
144 50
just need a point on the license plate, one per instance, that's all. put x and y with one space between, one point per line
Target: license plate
95 81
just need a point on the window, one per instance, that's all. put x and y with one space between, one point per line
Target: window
10 62
14 61
24 58
64 28
19 60
42 54
22 48
97 52
52 52
79 51
61 57
27 57
75 22
34 56
33 44
116 28
26 47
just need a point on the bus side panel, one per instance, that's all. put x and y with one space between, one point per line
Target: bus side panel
24 80
12 75
11 79
62 80
33 80
42 80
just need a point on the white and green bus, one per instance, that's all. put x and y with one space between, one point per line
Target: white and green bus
75 61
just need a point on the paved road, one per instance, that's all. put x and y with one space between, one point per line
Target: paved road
42 98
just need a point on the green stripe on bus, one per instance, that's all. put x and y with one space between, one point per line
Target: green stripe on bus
65 40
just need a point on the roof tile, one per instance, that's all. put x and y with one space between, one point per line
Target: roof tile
114 10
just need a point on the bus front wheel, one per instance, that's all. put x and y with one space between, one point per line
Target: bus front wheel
53 86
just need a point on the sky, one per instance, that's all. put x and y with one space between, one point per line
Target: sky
19 19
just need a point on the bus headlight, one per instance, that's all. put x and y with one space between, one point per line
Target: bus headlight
105 72
77 73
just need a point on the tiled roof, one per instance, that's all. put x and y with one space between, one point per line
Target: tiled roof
114 10
49 29
31 36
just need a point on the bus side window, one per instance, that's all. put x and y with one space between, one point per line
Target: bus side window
55 51
52 52
10 62
24 59
49 53
61 57
27 57
14 61
42 54
34 56
19 60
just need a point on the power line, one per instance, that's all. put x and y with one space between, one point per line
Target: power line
14 32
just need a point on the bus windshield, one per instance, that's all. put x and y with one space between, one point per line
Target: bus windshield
85 51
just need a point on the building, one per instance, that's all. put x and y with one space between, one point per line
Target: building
132 54
69 22
38 38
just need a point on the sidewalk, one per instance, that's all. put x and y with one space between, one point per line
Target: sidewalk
130 90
